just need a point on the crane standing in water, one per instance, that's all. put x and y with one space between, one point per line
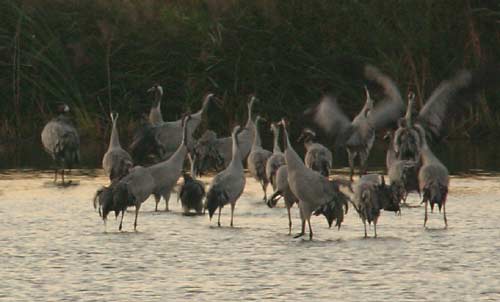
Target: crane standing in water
358 135
257 159
61 140
116 161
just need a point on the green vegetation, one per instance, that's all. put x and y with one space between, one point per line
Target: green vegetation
97 54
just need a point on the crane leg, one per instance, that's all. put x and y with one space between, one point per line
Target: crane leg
157 201
364 224
444 216
425 217
363 159
232 213
121 221
310 229
289 221
55 175
264 188
350 156
167 199
303 231
62 176
218 220
136 214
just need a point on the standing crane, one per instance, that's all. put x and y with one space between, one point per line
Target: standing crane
358 135
61 141
116 161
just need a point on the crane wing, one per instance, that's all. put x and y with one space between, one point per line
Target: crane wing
392 107
463 88
329 117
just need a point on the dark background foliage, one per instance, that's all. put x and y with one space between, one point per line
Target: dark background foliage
96 55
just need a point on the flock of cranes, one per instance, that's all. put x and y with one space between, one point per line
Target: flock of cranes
411 164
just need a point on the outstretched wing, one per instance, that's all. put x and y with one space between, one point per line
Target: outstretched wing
392 107
463 87
329 117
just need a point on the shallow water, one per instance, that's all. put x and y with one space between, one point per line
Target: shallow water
54 247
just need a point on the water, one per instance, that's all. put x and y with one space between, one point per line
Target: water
54 247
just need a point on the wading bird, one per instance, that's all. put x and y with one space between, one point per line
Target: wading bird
192 192
131 190
213 153
155 116
371 195
277 159
257 159
227 186
433 180
282 189
317 157
164 138
358 136
403 174
312 189
449 95
61 140
116 161
166 173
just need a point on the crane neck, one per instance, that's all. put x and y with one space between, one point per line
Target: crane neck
158 97
293 161
114 140
368 104
276 145
236 154
256 139
192 169
408 115
185 130
250 106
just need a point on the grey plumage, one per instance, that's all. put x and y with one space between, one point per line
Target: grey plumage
371 195
192 192
282 189
167 172
311 188
403 174
131 190
450 94
213 153
227 186
276 160
358 136
257 159
155 116
61 140
433 179
167 135
116 161
335 207
317 157
246 137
